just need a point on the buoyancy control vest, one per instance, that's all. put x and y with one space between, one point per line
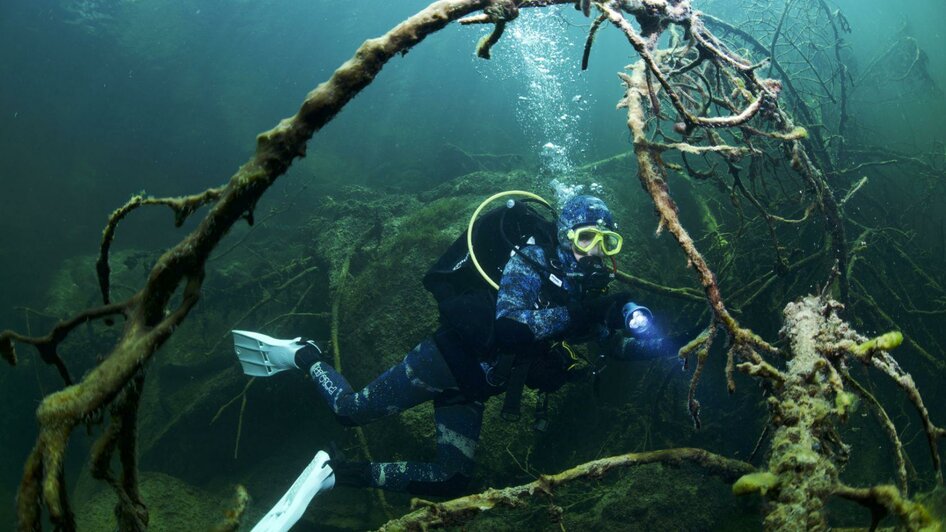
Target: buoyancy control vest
467 304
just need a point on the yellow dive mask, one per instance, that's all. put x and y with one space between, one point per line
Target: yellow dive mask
586 238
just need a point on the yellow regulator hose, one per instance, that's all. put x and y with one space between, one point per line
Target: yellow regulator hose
476 213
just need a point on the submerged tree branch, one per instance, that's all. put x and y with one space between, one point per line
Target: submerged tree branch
458 511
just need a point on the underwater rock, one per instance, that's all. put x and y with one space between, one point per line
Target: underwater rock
173 505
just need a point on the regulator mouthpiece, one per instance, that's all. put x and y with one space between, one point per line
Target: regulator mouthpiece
637 319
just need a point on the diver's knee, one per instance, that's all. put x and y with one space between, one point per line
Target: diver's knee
347 411
347 415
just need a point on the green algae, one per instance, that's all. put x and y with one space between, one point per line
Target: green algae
753 482
884 342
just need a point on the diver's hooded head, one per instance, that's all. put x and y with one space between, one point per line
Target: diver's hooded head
582 211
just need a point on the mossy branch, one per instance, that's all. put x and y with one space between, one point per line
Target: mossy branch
886 363
122 435
499 13
687 294
802 412
801 106
183 207
881 500
889 428
642 48
48 346
885 342
458 511
700 346
651 174
589 42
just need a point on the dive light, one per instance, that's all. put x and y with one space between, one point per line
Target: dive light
637 319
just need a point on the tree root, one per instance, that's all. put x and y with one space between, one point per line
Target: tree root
122 435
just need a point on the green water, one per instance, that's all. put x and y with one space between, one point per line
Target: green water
103 99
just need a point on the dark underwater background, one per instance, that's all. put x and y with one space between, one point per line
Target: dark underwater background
102 99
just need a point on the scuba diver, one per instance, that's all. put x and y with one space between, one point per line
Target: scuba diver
552 289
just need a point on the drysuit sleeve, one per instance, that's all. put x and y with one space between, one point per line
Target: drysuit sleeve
518 300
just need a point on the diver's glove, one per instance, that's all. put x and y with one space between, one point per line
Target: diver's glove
604 309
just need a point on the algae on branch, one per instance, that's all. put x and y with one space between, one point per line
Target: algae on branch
762 482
